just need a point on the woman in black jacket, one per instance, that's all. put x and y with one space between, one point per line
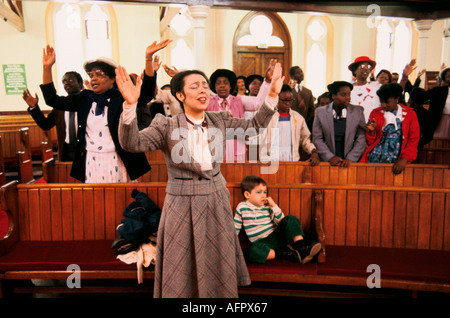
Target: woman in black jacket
98 154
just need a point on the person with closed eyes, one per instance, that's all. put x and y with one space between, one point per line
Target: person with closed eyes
198 252
98 157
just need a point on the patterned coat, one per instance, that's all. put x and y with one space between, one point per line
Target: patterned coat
198 252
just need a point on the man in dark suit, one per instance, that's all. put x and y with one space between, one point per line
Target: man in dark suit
303 98
63 120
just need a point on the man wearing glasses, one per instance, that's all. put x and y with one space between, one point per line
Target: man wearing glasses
364 92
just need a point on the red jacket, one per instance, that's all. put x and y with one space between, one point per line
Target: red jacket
410 132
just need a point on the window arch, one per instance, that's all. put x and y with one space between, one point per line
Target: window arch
80 32
394 45
259 37
318 54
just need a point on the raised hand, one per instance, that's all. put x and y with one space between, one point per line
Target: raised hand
156 63
170 71
130 92
409 68
270 69
48 56
29 99
155 47
277 81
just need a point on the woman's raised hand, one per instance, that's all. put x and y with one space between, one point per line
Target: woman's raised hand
130 92
277 81
155 47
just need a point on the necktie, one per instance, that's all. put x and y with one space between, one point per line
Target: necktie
204 124
224 104
72 133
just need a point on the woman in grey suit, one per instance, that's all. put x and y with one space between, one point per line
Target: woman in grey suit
198 252
339 128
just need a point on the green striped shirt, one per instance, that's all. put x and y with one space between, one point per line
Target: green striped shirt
258 222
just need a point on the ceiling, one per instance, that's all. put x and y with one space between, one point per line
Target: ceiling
414 9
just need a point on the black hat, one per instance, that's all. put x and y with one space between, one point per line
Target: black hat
251 78
333 88
222 73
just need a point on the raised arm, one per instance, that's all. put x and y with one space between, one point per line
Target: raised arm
152 49
48 59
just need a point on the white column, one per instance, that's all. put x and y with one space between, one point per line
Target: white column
423 26
199 13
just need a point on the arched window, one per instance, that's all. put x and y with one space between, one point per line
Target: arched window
394 38
319 47
181 54
80 32
260 34
259 37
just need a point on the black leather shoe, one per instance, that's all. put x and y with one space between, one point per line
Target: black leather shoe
307 252
288 254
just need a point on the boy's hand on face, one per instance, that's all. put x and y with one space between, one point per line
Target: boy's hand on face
270 202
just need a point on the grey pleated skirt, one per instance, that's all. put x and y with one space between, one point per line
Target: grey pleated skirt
198 252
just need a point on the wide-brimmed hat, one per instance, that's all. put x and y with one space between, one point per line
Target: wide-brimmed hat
106 64
361 59
222 73
251 78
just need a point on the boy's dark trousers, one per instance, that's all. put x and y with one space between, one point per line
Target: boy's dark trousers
288 228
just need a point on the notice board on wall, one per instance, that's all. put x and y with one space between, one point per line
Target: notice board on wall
15 78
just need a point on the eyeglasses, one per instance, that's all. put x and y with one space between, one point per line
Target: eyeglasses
363 66
97 73
69 80
286 100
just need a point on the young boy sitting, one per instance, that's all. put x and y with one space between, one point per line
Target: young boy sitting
268 229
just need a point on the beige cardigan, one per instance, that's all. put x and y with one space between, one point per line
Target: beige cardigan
301 136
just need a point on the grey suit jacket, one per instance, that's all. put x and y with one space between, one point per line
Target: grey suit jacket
185 177
355 133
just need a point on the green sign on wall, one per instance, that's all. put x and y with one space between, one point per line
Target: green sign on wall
15 78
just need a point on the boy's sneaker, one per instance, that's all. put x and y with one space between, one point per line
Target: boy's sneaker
307 252
288 254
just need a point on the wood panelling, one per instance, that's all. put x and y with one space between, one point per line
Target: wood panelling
375 216
417 175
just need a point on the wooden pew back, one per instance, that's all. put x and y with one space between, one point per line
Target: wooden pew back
92 211
375 216
415 175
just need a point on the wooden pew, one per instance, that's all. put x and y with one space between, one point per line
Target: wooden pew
24 158
403 226
12 142
437 151
416 175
